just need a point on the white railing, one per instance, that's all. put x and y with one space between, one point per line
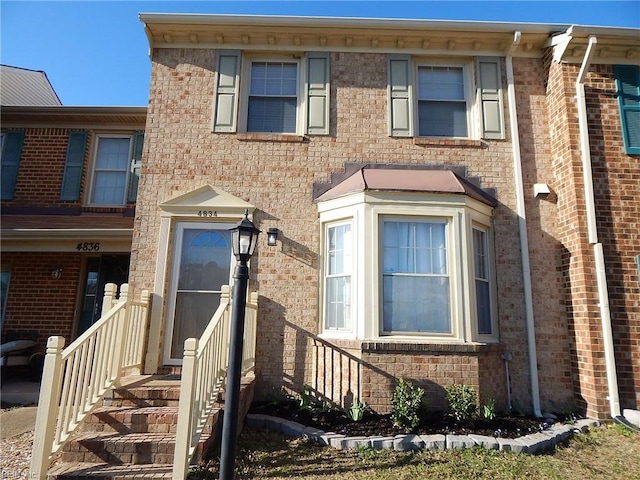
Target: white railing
75 379
204 372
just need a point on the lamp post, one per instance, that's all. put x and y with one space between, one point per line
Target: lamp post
244 238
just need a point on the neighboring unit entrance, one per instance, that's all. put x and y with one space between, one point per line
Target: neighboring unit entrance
100 271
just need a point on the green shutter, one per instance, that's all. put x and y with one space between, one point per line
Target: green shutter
226 96
11 151
73 165
489 89
399 95
136 163
628 91
318 93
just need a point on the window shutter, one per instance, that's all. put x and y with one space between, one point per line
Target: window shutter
11 151
72 177
318 93
490 97
226 101
628 89
399 96
136 163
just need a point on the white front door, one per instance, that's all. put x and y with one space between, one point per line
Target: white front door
202 259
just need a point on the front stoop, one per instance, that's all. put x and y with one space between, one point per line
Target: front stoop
133 434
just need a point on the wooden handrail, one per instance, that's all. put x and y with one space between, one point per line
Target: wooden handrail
76 379
204 372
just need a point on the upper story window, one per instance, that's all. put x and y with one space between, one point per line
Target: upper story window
628 92
402 264
442 103
273 97
116 164
10 162
445 99
267 94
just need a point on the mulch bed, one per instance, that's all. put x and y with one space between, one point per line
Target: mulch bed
335 420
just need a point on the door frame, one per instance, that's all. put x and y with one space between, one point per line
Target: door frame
178 236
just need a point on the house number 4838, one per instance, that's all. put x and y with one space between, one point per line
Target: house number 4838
88 246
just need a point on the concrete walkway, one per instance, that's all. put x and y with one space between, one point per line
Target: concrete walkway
22 396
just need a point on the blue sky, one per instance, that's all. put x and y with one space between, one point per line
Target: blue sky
95 52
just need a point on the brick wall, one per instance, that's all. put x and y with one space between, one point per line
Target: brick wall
617 190
181 154
35 301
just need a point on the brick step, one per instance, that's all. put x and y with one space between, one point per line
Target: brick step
82 471
139 420
116 448
131 420
145 396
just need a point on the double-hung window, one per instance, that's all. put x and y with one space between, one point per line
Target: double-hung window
429 98
442 102
628 92
116 165
415 276
281 94
337 287
482 281
273 97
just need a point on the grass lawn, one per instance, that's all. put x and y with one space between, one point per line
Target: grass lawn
607 452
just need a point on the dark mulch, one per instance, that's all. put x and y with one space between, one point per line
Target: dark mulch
335 420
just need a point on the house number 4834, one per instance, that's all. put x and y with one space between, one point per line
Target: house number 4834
88 246
207 213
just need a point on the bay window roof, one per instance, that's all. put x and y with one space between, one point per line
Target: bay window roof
385 178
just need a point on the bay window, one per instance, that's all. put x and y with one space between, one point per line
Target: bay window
412 264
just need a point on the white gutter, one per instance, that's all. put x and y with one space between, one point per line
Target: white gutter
522 227
592 229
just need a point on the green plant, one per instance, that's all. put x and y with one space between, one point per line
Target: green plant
462 401
304 401
357 410
488 410
406 403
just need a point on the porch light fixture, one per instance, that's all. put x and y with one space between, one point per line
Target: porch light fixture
56 273
244 238
272 237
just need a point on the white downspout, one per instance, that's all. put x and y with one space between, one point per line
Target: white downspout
522 227
592 229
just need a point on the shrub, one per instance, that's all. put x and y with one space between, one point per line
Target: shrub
406 403
462 401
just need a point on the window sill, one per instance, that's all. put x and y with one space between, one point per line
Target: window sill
270 137
387 346
448 142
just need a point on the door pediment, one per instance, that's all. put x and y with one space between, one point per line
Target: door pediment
207 201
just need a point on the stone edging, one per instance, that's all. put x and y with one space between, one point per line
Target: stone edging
532 443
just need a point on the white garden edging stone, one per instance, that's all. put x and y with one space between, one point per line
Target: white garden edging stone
532 443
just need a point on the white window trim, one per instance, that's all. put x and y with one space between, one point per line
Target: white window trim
367 211
491 278
94 158
352 321
452 274
468 76
245 73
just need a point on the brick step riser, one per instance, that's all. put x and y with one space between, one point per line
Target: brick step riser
125 428
144 398
119 452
